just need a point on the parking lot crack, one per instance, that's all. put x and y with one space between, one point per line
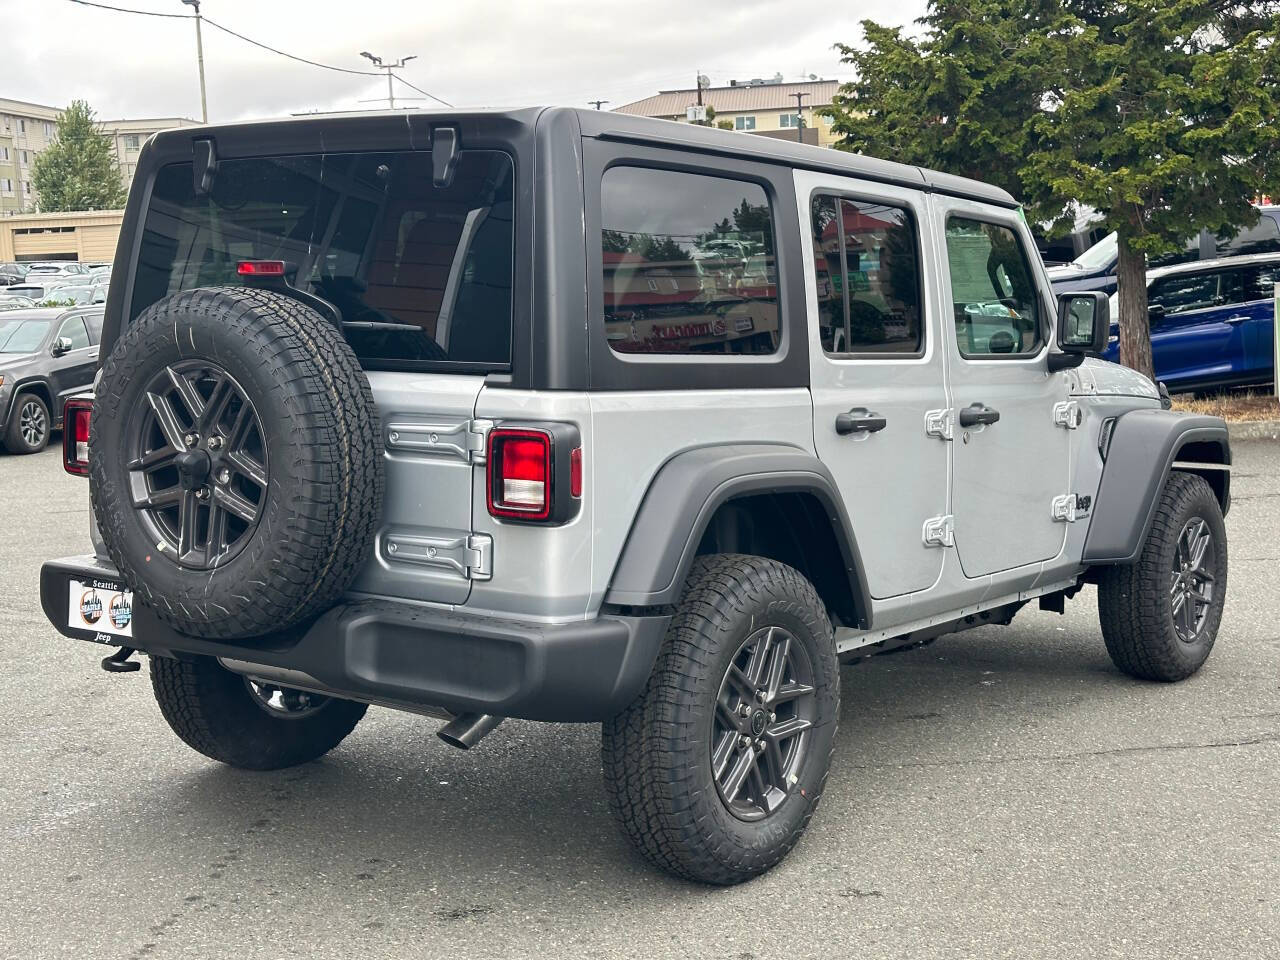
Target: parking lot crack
1082 755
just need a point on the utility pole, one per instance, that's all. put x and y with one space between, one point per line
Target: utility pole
799 116
388 67
597 103
204 102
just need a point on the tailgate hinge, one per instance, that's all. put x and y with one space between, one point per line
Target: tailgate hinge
479 557
940 531
938 423
1066 413
469 555
464 440
1065 508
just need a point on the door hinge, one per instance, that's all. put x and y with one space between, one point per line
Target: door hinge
1064 508
940 531
938 423
470 556
1066 413
465 440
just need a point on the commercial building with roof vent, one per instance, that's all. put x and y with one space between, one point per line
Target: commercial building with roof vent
766 107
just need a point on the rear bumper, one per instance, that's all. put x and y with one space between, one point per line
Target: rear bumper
408 656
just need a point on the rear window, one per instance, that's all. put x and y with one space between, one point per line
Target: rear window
689 264
420 274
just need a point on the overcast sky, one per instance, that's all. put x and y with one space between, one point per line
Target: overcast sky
477 53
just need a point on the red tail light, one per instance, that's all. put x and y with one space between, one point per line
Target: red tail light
260 268
520 474
75 436
534 472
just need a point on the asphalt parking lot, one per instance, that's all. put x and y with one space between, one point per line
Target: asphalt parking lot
1002 793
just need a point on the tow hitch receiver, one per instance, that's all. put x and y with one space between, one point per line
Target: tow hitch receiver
119 661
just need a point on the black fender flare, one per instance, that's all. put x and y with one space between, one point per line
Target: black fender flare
25 386
685 494
1143 448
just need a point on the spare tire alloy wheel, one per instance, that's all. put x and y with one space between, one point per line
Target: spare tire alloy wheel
198 463
235 462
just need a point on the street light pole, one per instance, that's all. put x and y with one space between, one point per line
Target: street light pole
388 67
204 101
799 115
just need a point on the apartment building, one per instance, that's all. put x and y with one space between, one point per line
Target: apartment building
28 128
760 106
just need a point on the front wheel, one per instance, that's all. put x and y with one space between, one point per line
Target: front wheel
715 770
1160 614
30 425
248 722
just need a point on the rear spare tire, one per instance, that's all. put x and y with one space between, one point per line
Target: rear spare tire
235 461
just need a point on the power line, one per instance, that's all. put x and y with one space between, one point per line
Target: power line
256 43
144 13
290 56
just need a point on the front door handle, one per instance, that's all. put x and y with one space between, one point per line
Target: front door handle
859 420
978 414
1241 318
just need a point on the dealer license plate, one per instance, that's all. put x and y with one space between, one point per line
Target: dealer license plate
101 606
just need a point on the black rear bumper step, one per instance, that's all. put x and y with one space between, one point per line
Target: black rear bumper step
400 654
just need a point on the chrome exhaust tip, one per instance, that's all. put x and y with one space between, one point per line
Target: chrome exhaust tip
467 729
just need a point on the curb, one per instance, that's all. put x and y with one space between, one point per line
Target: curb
1254 430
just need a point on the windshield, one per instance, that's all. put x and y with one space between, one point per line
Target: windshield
421 274
1101 254
22 336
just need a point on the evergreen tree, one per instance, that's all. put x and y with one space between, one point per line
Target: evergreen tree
78 171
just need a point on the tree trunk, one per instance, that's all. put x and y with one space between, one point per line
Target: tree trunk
1135 326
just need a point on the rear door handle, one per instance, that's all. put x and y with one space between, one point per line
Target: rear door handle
978 414
1238 319
859 420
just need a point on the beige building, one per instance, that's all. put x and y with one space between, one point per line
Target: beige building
28 128
86 237
765 107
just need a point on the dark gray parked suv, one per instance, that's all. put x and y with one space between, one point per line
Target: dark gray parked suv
46 355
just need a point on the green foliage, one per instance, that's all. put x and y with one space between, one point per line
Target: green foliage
78 171
1159 114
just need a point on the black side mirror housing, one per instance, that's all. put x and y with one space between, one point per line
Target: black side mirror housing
1084 323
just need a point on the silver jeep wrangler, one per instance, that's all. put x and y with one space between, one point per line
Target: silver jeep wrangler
571 416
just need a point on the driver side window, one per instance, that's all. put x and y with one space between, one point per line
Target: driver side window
993 291
74 331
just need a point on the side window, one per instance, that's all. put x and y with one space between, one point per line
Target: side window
74 330
1262 237
1184 292
94 322
993 291
867 260
689 264
1261 282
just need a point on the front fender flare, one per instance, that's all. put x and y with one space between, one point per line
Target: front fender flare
685 494
1140 457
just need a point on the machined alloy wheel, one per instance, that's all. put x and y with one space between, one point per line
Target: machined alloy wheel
764 710
197 462
33 422
1192 583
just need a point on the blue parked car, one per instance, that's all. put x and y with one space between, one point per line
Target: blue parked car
1212 322
1095 269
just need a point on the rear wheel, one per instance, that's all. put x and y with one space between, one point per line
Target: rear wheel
244 721
714 771
1160 614
29 425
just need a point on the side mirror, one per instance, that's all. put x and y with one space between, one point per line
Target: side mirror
1084 323
1155 314
60 346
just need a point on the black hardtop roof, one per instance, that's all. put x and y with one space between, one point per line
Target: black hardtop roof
617 126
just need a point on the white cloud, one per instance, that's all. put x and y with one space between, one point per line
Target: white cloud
469 53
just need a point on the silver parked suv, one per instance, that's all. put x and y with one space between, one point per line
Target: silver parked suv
571 416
